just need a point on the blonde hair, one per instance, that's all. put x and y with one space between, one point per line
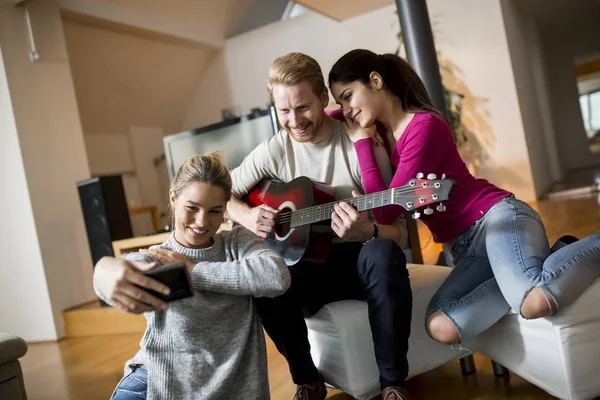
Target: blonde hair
207 168
294 68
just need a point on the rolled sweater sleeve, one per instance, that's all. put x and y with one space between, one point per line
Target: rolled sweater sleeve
256 270
420 149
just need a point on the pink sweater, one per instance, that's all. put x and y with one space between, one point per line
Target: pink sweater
427 146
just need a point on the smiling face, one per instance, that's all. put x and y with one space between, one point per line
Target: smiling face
361 102
198 213
300 111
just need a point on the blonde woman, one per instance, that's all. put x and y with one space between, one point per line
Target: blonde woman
211 345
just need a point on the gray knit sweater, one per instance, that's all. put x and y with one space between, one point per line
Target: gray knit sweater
211 345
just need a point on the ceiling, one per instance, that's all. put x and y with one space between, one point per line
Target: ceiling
203 21
208 21
138 62
340 10
123 79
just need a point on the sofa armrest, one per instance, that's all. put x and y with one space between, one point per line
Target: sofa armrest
11 348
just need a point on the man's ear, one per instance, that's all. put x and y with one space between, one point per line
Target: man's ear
325 97
376 80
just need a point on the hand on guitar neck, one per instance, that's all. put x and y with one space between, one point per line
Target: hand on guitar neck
349 224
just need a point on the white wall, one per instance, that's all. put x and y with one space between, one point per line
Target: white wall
211 95
471 35
23 270
542 88
147 146
109 154
523 41
43 235
564 41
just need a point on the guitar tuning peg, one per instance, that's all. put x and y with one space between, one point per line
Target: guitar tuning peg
428 211
431 176
443 176
441 207
416 215
420 175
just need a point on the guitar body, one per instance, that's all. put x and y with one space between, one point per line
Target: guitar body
310 243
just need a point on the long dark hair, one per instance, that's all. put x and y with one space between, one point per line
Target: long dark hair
398 77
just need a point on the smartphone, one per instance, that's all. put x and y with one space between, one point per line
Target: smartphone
176 277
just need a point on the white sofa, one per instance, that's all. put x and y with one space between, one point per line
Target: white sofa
342 344
560 354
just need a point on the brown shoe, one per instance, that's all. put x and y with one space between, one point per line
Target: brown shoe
394 393
311 391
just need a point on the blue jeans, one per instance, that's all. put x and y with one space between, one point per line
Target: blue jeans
501 258
132 386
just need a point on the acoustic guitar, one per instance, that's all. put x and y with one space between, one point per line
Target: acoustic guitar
302 230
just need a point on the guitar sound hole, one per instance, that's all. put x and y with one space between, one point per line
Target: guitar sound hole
284 222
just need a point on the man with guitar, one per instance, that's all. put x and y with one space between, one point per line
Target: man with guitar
365 261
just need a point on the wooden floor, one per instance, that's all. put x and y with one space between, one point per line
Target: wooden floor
89 367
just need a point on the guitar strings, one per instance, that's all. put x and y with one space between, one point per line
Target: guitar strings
317 210
328 207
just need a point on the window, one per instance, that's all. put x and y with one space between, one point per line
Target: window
590 111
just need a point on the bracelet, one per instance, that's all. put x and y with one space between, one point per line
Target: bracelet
375 234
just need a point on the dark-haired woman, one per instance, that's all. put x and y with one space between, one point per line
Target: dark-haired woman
499 246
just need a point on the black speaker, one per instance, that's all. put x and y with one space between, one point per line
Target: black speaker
105 213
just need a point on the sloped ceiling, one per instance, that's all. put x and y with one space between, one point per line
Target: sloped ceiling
123 79
138 62
340 10
203 21
210 21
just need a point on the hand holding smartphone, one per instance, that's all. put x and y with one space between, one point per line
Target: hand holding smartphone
176 277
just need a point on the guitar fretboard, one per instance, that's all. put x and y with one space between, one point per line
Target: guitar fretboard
323 212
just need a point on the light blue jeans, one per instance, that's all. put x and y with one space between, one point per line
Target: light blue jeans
501 258
133 386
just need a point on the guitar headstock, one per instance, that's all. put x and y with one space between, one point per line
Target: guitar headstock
420 192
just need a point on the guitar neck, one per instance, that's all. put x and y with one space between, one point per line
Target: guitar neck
323 212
